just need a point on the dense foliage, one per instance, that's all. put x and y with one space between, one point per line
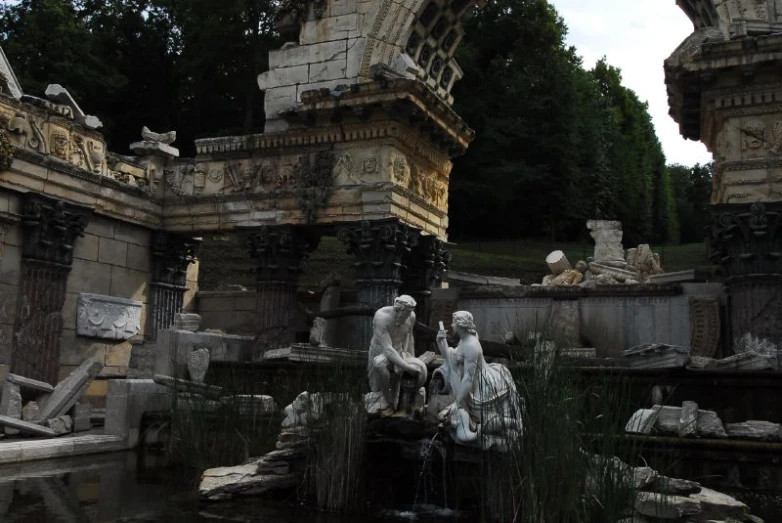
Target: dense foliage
556 143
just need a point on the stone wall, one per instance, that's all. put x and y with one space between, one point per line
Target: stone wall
111 259
608 323
234 312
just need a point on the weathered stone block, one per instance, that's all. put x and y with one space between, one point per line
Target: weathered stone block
31 412
112 252
89 276
688 423
108 317
30 384
668 419
11 404
665 506
139 258
642 421
86 248
718 506
283 76
186 322
81 414
710 425
308 54
129 284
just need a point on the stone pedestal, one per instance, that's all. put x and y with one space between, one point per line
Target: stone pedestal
382 250
173 254
278 253
50 229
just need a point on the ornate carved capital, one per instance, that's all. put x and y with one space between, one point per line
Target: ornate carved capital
51 228
428 262
381 249
745 239
173 254
279 252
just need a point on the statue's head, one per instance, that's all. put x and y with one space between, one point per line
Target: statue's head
404 305
463 320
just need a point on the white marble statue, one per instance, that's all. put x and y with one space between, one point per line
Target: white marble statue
391 354
486 411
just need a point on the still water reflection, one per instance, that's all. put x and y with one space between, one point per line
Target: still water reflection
122 487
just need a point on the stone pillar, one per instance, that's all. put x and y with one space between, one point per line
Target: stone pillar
278 252
50 229
172 256
746 241
381 249
425 270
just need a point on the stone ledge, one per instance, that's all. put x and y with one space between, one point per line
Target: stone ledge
18 452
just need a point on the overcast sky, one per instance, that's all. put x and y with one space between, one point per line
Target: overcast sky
636 36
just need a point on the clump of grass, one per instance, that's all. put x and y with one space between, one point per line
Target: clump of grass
210 432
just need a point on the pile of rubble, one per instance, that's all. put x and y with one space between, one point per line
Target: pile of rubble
659 498
689 421
34 408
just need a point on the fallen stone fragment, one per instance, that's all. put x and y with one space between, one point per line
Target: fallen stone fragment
665 506
273 467
81 414
26 427
31 412
657 356
30 384
688 420
60 425
748 361
757 430
710 425
643 477
69 390
715 505
642 421
668 419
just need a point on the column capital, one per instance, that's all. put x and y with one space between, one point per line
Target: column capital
173 254
51 228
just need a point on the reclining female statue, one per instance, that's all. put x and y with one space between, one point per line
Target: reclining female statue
487 410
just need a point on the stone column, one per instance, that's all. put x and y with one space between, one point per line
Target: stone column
425 270
172 255
50 229
746 241
278 252
381 249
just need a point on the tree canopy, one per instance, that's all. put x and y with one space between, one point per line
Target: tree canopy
557 143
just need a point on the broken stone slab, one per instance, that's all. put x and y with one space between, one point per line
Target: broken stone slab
227 482
69 390
718 506
190 387
642 421
26 427
81 414
273 467
665 506
11 404
710 425
59 94
748 361
30 384
657 356
31 412
688 420
757 430
60 425
148 148
666 485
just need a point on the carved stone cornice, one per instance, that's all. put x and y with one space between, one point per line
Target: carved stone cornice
50 229
173 254
381 249
746 239
280 251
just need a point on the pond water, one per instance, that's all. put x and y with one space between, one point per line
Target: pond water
131 488
127 488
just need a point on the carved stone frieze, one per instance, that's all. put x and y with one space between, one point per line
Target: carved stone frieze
705 326
107 317
50 229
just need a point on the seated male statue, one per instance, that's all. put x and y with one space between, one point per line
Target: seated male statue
391 353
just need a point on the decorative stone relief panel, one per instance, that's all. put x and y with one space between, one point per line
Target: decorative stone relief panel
107 317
